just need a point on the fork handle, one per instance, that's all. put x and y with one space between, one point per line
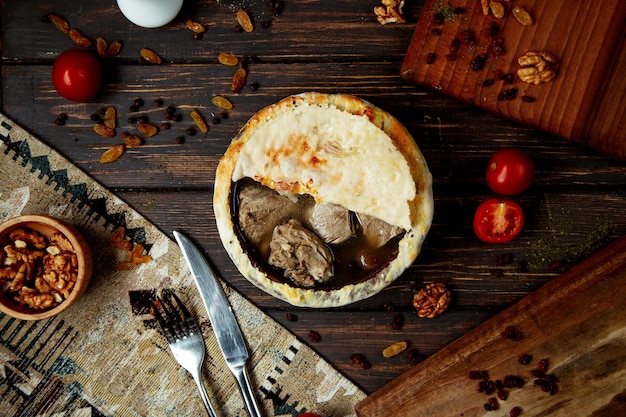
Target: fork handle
243 380
205 398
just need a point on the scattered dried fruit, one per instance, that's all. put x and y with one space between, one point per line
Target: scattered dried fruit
239 80
497 9
118 239
244 20
522 16
222 102
227 59
112 154
150 56
195 27
147 129
110 117
114 48
199 121
132 141
78 39
394 349
102 47
314 336
59 23
360 360
103 130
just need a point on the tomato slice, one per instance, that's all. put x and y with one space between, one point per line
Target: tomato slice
498 221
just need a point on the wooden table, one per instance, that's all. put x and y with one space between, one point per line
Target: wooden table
576 204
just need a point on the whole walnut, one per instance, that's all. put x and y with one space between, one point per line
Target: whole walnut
431 300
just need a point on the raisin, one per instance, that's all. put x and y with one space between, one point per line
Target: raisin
291 317
314 336
360 360
398 321
515 412
525 359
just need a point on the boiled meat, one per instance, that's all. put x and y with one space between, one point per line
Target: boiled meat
260 210
377 232
301 253
332 223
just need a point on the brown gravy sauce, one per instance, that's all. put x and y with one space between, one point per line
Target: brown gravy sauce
347 256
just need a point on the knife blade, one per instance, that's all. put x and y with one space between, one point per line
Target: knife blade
223 321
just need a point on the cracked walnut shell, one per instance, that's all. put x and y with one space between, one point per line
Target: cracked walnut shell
536 67
431 300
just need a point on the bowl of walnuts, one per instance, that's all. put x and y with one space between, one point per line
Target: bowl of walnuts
45 266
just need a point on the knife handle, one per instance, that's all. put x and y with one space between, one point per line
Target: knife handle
243 380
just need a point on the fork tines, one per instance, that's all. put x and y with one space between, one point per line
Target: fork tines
176 322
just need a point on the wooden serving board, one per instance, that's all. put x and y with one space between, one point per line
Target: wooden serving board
577 321
585 103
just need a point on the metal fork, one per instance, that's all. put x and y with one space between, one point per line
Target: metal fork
184 338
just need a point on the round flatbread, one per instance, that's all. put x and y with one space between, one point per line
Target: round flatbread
310 164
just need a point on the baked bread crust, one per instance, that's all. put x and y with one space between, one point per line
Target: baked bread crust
420 207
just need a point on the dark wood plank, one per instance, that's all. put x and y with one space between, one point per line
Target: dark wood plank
445 130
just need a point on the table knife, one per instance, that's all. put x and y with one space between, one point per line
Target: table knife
225 326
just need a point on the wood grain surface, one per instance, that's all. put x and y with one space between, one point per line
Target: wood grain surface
586 101
577 322
576 204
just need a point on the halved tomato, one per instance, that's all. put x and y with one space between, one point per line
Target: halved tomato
498 221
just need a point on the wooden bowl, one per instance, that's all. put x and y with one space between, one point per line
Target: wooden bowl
46 226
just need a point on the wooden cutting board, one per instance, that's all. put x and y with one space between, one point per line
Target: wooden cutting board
585 103
577 321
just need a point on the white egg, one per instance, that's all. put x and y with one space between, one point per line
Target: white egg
150 13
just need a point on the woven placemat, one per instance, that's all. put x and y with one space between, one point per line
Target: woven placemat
105 356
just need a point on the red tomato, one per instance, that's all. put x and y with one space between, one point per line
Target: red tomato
76 75
510 171
498 221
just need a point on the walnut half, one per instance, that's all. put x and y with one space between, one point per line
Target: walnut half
390 12
431 300
537 67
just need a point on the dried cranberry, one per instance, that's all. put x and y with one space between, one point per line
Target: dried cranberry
454 46
415 356
502 395
506 95
508 332
430 58
515 412
389 306
513 381
525 359
360 360
398 321
291 317
509 78
314 336
468 37
479 62
491 405
542 366
484 375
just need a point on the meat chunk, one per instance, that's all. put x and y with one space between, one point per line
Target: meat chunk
332 223
260 210
377 232
301 253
